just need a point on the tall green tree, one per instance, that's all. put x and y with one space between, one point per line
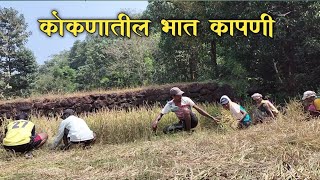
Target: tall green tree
17 63
114 62
184 58
284 64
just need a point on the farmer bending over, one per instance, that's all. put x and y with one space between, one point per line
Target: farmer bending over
311 103
20 136
265 109
181 106
237 111
73 130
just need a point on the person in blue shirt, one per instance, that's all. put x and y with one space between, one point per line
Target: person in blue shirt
237 111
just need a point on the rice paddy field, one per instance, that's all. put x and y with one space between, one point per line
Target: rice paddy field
126 148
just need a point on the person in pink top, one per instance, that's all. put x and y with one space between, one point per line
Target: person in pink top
311 103
182 107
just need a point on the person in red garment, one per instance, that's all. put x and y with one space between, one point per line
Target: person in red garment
311 103
182 107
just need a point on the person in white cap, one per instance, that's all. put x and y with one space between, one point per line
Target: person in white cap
73 130
237 111
181 106
311 102
265 107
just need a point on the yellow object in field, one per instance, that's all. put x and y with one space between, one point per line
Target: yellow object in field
316 103
19 132
228 119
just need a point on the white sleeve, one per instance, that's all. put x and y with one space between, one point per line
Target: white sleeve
188 101
166 109
60 134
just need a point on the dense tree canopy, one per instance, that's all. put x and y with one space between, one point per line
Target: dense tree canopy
284 64
18 64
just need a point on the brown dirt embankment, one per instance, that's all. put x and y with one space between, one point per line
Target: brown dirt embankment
199 92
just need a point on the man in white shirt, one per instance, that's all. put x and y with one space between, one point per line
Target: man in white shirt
73 130
181 106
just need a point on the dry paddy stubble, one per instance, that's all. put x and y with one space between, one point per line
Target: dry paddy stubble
127 149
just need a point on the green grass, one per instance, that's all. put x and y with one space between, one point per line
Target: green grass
126 149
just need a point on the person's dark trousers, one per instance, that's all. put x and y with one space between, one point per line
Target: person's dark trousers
180 126
68 143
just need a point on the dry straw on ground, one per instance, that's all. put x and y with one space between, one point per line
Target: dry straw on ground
285 149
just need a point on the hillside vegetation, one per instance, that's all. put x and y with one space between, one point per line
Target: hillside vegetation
282 66
126 149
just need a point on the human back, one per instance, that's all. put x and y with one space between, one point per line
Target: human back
270 106
18 132
20 136
316 104
78 129
247 117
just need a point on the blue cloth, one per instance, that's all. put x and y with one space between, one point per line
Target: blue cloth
247 117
